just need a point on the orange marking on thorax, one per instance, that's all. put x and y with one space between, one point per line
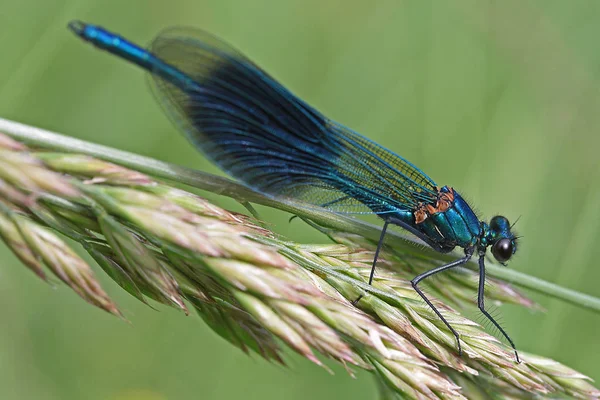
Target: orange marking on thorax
443 203
420 213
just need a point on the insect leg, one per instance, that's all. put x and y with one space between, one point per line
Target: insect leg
379 246
481 305
434 271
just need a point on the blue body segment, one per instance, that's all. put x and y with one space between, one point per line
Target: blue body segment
461 224
123 48
260 133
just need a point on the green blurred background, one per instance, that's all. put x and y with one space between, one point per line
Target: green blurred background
497 99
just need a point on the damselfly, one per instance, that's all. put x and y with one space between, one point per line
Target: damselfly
260 133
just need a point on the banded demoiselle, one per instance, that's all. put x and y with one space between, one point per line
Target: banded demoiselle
260 133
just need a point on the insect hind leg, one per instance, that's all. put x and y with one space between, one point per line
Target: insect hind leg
414 231
415 282
379 246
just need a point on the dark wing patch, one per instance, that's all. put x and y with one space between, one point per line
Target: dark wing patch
263 135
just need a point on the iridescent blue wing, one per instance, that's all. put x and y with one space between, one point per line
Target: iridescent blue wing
263 135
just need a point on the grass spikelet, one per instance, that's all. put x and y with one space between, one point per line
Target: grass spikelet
258 291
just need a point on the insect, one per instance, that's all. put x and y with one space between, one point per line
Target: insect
260 133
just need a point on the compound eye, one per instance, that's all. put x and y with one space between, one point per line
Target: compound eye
503 250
